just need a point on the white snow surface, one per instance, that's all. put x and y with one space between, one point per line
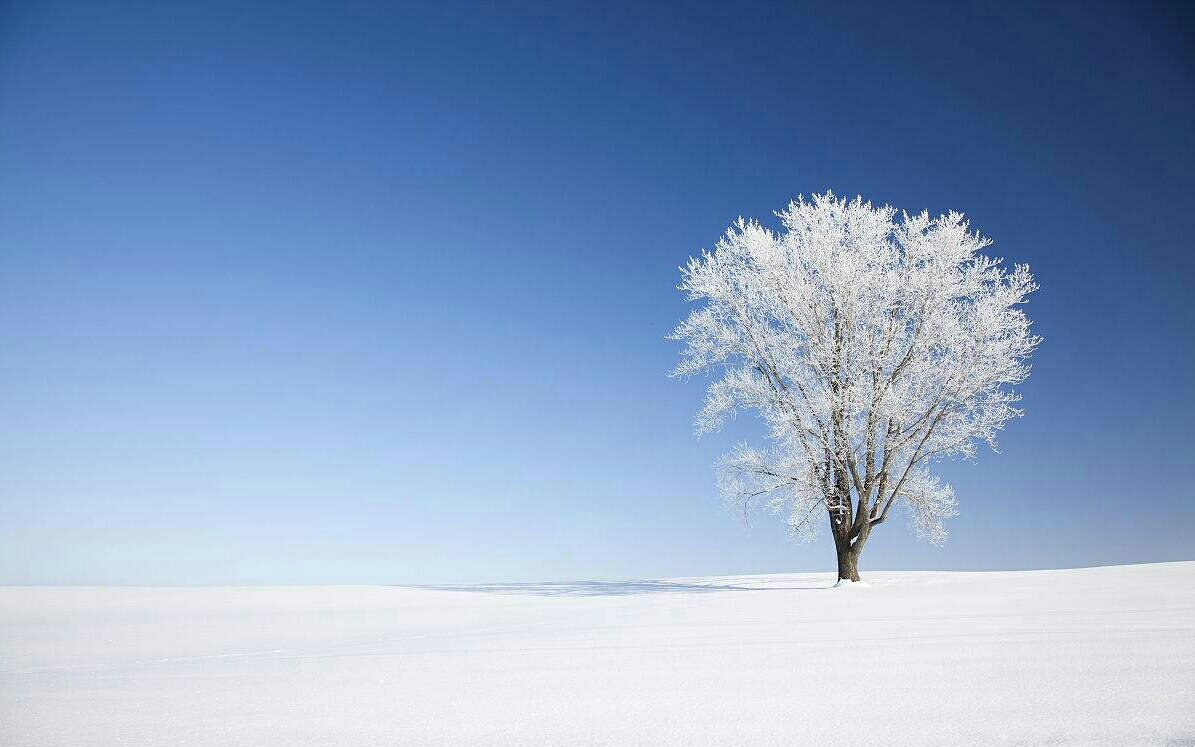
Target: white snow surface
1070 657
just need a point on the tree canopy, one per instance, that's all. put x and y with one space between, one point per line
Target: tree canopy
871 343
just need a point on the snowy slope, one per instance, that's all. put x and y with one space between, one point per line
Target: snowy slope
1092 656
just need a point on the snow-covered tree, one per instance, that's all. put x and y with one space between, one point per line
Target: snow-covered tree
871 344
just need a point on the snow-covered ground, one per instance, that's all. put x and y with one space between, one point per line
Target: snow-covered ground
1093 656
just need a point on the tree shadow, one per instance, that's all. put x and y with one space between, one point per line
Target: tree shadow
621 588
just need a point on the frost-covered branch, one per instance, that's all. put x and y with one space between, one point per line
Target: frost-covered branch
870 343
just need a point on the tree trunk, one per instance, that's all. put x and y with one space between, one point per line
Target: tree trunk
848 560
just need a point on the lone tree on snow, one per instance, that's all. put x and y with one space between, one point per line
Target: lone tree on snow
871 345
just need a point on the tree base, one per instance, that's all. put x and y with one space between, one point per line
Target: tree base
848 563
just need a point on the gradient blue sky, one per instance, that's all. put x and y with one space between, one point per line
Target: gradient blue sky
346 293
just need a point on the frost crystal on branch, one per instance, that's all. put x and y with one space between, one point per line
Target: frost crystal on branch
870 343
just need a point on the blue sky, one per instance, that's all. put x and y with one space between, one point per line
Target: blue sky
352 293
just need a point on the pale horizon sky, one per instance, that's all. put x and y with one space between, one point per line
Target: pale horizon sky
352 293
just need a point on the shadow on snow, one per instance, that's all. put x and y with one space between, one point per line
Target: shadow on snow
617 588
